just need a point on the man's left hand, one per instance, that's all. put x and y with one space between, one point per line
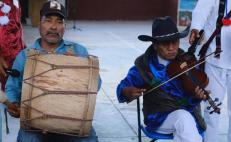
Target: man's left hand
14 109
200 93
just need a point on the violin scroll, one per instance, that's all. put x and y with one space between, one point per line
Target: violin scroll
213 104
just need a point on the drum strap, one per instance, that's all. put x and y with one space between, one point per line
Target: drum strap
221 12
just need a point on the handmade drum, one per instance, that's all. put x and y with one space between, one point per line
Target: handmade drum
59 93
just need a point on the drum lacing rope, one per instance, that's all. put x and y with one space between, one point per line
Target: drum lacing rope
39 129
45 116
46 92
55 67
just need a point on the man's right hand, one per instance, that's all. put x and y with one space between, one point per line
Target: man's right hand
3 66
14 109
193 35
132 92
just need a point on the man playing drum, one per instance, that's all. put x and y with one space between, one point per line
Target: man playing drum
51 28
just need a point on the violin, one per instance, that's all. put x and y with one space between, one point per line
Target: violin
190 76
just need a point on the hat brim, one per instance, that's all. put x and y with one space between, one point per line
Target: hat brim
55 12
168 37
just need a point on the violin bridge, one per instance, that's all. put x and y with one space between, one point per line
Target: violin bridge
183 65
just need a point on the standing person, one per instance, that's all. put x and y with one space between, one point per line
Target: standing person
163 108
51 28
11 42
205 16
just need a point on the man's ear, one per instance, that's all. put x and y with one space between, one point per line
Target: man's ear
65 25
155 45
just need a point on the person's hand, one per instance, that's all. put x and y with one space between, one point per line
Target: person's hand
193 35
132 92
200 93
14 109
3 66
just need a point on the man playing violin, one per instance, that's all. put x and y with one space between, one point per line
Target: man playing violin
169 108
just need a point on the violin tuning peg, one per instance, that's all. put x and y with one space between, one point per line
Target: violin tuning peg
211 112
219 104
216 100
209 107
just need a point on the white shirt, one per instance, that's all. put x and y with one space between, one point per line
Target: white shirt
204 17
162 61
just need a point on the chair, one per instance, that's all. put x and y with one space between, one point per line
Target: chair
153 135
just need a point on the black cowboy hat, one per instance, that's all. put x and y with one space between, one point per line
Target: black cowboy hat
164 29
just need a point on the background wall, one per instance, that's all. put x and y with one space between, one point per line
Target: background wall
106 9
121 9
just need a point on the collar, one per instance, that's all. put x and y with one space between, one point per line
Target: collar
37 45
162 61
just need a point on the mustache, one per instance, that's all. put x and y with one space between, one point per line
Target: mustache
51 32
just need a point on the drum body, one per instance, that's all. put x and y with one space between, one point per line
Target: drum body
59 93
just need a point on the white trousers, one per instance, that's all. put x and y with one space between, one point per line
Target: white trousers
219 83
183 126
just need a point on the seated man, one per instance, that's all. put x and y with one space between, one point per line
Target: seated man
51 28
167 109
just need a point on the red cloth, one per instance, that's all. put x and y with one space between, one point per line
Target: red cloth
11 34
11 42
226 22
